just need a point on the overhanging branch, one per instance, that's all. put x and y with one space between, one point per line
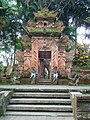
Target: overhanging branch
27 32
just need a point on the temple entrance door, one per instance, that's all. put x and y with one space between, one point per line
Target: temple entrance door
44 64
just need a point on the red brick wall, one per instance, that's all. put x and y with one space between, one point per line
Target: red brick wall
44 44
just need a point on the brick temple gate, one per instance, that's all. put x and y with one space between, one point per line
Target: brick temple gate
46 49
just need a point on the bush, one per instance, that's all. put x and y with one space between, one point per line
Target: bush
1 68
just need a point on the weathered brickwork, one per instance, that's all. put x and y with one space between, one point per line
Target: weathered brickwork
45 36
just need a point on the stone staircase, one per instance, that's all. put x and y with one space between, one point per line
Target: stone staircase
40 103
44 82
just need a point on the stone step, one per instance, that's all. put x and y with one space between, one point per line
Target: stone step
36 101
41 95
44 80
56 114
44 83
51 108
42 88
39 101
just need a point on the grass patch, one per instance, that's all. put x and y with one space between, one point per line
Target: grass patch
84 84
5 83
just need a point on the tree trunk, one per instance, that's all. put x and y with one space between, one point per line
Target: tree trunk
14 47
75 36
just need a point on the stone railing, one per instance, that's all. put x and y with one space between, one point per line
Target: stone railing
81 105
4 100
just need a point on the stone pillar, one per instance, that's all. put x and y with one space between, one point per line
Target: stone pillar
54 57
73 102
34 58
61 57
27 60
69 59
5 97
2 101
20 59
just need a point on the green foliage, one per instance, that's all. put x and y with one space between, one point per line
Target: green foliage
15 10
70 31
82 62
87 20
9 70
53 30
4 3
27 44
76 68
1 68
68 59
19 43
37 30
10 6
27 8
59 43
87 64
45 13
52 35
68 48
47 30
2 21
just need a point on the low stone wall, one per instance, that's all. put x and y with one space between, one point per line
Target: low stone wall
28 81
4 100
85 76
84 81
81 105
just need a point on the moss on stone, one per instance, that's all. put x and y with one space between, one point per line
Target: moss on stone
45 13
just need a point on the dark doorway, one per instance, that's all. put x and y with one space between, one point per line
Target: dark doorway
44 54
44 64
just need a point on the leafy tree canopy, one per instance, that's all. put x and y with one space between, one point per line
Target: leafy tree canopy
15 13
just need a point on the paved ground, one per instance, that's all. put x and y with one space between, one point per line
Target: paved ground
34 118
